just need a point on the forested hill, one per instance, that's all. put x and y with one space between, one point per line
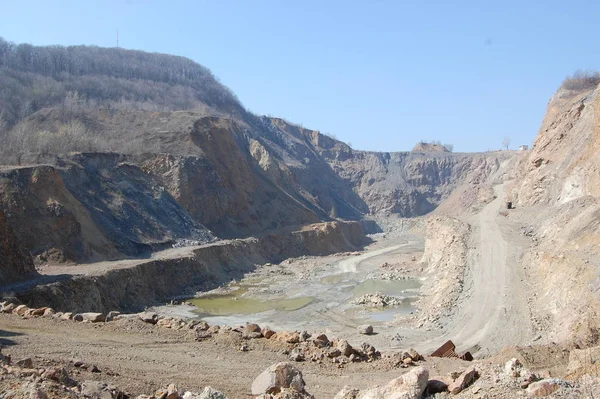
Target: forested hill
34 77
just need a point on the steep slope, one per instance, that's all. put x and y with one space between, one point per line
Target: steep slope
558 186
90 207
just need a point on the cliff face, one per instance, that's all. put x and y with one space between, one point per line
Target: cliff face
92 207
560 181
235 178
404 183
563 164
15 264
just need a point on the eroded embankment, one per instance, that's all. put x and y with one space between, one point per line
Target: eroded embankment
146 283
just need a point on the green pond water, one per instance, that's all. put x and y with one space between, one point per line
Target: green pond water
235 302
386 287
231 303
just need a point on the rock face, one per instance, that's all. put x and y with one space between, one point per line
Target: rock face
445 257
94 206
561 173
235 178
15 263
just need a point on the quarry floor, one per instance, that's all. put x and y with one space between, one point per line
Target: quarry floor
492 313
316 294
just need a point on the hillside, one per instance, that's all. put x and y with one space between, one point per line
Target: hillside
139 151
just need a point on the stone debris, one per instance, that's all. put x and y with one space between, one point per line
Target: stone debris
464 380
378 300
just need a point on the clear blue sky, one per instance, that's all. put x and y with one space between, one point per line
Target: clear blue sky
379 74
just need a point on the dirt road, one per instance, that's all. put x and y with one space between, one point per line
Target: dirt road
493 311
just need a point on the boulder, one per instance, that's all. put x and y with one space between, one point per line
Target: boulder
21 310
276 377
408 386
321 341
369 351
100 390
67 316
435 386
267 332
58 374
347 392
199 325
296 355
414 355
290 337
210 393
252 328
344 347
8 308
304 336
49 312
93 317
365 329
545 387
148 317
112 314
172 392
466 378
38 312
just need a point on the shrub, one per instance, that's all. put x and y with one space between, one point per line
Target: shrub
582 80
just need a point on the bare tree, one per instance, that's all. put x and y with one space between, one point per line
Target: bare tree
506 143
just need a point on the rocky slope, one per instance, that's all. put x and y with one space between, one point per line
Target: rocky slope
558 187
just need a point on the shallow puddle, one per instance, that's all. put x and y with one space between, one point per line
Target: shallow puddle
232 304
386 287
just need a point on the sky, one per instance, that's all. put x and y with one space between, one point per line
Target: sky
380 75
